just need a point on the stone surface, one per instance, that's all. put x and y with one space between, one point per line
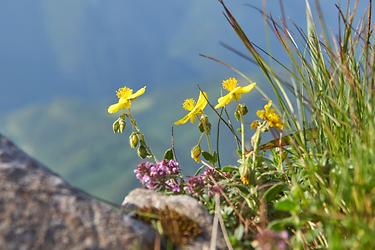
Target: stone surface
39 210
181 204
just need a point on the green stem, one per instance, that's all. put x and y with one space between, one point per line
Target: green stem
200 139
218 139
135 126
231 128
209 143
242 139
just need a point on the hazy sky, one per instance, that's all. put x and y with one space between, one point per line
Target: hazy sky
86 48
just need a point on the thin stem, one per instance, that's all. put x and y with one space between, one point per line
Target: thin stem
221 118
135 126
242 138
209 144
231 127
218 139
215 224
200 139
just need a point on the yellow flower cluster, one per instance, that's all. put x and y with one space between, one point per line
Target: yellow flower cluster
196 108
234 92
125 97
268 114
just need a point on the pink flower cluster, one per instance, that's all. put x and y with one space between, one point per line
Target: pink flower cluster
166 176
161 176
196 184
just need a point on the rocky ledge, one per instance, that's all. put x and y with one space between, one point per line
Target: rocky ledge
39 210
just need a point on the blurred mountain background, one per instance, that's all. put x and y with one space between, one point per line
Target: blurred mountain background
61 62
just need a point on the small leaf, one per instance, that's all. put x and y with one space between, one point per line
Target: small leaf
273 191
168 155
286 205
209 157
216 157
281 224
229 168
238 233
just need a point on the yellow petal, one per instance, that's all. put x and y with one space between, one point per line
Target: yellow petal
268 106
114 108
126 103
246 89
184 120
138 93
192 118
202 101
261 114
224 100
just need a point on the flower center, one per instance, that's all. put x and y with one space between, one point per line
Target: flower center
230 84
189 104
124 92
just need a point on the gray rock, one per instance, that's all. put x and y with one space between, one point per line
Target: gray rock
39 210
188 209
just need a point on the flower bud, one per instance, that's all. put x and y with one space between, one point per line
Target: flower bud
116 126
196 153
205 125
122 125
133 140
255 124
142 152
245 180
240 111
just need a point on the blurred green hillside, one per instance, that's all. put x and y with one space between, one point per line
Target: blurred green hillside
74 138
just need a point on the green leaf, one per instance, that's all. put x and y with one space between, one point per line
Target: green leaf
281 224
238 233
273 191
168 155
209 157
229 168
216 157
286 205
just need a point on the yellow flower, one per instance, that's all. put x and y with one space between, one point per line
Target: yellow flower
235 92
125 97
245 180
194 109
270 115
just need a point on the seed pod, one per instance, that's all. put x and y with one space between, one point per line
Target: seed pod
142 152
133 140
205 125
196 153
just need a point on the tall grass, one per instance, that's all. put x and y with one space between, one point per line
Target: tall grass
326 92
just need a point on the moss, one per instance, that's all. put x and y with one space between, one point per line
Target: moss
177 228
